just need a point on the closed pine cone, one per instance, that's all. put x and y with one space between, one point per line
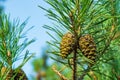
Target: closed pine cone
88 47
66 45
19 75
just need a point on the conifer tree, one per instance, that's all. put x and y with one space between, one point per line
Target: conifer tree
87 39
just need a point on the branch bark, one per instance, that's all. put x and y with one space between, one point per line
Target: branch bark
75 65
59 74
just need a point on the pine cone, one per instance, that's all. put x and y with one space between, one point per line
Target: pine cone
17 75
87 46
66 45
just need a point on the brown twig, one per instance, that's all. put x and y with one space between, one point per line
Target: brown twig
38 77
59 74
62 69
93 75
74 64
75 46
75 29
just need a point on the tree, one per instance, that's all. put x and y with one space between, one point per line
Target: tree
88 37
11 48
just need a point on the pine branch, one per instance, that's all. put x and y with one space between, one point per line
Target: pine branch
75 46
59 74
11 46
75 65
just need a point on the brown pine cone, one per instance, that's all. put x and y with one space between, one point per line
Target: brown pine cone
66 45
87 46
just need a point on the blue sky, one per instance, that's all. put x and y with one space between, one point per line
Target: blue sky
23 9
